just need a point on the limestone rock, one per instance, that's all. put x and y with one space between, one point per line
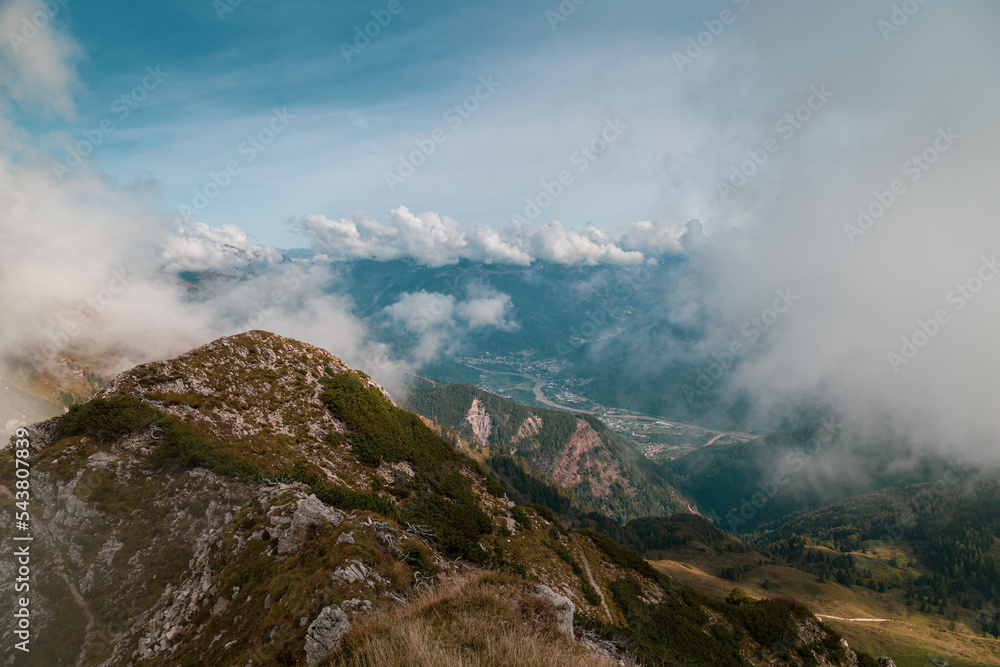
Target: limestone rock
325 633
564 608
311 512
885 661
351 571
219 606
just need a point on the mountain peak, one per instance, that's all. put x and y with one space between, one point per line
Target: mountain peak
259 392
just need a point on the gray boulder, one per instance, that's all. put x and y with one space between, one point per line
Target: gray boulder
311 512
325 633
564 608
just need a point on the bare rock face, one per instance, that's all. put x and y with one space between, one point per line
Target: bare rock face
885 661
325 633
479 419
532 426
351 572
564 608
852 657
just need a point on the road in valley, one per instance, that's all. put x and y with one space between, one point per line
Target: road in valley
541 398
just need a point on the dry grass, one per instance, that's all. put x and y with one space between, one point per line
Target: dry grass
478 621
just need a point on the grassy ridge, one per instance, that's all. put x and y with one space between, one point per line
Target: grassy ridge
108 419
439 496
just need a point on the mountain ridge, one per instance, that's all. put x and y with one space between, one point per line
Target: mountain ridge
255 501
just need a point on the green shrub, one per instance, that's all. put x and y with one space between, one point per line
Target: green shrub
769 622
521 517
590 594
623 556
338 496
183 445
419 558
738 596
107 419
443 499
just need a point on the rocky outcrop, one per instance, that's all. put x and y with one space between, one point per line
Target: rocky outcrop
351 572
325 633
885 661
311 512
532 426
852 657
563 605
480 421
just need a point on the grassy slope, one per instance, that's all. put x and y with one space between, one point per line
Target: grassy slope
911 638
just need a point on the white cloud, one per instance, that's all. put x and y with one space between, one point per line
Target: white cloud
38 57
429 238
195 246
559 244
487 308
421 311
785 228
435 240
440 321
654 238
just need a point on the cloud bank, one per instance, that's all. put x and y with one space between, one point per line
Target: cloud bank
878 211
431 239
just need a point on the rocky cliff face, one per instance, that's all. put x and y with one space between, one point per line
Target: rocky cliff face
581 454
236 506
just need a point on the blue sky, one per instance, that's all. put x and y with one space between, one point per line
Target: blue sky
352 119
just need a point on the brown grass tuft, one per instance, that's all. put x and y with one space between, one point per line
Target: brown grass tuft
473 622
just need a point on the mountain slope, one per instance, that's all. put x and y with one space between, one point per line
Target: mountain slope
255 501
742 486
577 451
